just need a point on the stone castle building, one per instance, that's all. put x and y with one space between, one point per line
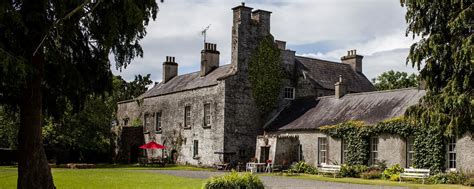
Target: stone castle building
209 116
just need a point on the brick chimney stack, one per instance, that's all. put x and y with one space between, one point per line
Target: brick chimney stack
209 58
340 88
354 60
170 69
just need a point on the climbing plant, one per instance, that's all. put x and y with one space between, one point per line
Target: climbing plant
265 73
429 144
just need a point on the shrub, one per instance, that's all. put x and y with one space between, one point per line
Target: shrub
352 170
394 170
379 165
372 174
234 180
469 182
395 177
448 178
303 167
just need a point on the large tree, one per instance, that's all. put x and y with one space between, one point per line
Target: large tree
394 80
445 53
55 51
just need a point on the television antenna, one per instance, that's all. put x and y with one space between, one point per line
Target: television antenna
204 32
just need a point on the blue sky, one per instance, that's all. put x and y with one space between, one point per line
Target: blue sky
323 29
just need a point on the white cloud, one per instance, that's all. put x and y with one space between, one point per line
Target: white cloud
374 27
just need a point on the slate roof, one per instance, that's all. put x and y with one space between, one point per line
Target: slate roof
188 82
370 107
326 74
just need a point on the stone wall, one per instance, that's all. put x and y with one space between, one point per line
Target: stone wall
465 152
129 110
392 149
176 136
127 141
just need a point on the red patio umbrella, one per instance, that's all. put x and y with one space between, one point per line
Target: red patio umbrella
152 145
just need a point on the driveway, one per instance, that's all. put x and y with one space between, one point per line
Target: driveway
277 181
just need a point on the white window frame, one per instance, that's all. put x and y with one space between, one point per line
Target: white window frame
374 150
195 148
158 122
289 93
187 116
344 151
207 115
323 150
451 153
146 119
410 151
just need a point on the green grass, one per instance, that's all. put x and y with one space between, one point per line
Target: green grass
375 182
112 177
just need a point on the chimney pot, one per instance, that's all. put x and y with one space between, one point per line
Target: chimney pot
354 60
209 58
170 69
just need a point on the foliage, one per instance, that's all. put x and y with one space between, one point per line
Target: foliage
379 165
392 172
303 167
352 170
429 143
234 180
8 128
54 55
394 80
448 178
372 174
446 50
469 182
265 73
87 132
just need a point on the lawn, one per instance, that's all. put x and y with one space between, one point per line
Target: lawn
376 182
109 177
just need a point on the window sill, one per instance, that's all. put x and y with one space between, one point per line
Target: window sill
206 127
146 132
196 157
158 132
187 128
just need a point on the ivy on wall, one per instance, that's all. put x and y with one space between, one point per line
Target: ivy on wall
429 145
265 73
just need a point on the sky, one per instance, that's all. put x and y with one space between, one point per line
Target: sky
324 29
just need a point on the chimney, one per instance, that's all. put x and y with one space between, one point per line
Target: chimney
209 58
281 44
340 88
262 18
170 69
354 60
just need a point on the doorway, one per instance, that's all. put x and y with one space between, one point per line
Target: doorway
264 153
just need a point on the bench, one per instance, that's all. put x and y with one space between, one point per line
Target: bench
332 169
415 173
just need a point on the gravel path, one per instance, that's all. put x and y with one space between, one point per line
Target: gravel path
277 182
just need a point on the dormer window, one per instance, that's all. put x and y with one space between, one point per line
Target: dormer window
289 93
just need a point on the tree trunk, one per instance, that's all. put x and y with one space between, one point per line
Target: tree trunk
33 169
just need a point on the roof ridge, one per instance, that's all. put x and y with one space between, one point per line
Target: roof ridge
374 92
325 61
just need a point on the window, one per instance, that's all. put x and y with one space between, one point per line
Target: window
145 122
125 122
322 150
289 93
187 116
207 115
452 153
374 153
344 151
195 148
300 153
158 122
241 153
410 151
